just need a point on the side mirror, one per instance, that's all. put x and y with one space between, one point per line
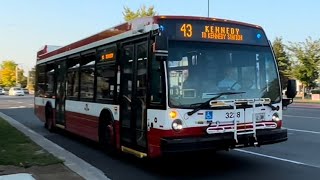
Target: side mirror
291 89
290 93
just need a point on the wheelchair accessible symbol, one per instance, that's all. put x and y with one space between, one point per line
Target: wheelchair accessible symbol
208 115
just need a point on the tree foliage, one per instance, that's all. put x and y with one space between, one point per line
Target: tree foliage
307 55
32 78
22 80
283 60
141 12
8 72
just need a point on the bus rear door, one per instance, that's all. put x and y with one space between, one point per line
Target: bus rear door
60 93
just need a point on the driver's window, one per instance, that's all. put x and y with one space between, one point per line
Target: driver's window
178 75
248 78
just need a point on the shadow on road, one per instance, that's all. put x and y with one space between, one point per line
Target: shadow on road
124 166
178 166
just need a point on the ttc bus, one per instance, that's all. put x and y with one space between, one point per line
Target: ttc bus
165 84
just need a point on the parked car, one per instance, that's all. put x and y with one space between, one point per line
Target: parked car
16 91
2 92
26 91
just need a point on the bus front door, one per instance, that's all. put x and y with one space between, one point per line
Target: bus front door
60 94
133 86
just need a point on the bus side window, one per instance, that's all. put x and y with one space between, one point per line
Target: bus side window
73 65
87 77
40 81
105 81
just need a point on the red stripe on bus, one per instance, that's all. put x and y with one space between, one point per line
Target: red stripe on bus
82 124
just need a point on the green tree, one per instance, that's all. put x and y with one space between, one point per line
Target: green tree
284 63
307 55
141 12
1 79
8 73
31 79
22 80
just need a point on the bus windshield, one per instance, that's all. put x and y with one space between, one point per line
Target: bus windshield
198 71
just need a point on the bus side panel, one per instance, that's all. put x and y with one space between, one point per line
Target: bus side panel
40 107
40 112
117 133
82 118
83 125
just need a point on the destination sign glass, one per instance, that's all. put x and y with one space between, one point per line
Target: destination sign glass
212 31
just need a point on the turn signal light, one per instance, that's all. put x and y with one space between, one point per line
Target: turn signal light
173 114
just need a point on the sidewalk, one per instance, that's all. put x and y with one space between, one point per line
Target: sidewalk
48 172
306 101
31 158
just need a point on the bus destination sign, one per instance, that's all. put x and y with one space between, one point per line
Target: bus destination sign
213 32
226 33
209 31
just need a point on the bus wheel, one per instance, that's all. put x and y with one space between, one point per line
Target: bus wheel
106 135
49 119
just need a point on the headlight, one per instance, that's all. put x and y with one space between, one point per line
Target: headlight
177 125
275 117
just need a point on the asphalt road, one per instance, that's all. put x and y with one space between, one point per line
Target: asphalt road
296 158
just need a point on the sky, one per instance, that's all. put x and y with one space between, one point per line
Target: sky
26 26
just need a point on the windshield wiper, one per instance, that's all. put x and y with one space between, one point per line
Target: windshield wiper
202 105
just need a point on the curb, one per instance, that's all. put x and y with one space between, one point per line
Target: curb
73 162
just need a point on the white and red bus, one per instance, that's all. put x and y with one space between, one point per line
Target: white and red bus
165 84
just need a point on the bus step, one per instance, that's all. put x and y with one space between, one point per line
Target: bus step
133 152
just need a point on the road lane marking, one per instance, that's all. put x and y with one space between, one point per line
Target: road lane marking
304 131
16 107
276 158
307 117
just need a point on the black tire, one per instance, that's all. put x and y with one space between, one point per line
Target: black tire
49 119
107 134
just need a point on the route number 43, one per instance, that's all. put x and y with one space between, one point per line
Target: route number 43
187 30
230 115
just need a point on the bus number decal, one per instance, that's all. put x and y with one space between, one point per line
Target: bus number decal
230 115
187 30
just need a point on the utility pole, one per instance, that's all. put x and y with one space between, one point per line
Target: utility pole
208 8
17 69
28 79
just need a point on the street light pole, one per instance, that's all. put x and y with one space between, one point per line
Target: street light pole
28 80
17 75
208 8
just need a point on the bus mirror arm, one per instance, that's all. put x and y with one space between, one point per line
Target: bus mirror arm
273 108
286 102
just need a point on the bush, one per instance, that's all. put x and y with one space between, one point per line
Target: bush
315 91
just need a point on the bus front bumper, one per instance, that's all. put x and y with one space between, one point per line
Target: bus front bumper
222 141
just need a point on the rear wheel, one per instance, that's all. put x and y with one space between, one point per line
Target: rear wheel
49 119
107 134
